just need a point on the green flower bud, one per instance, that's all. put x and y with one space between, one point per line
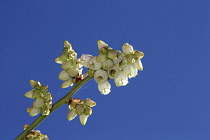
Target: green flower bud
67 45
89 102
71 114
36 93
67 83
45 111
101 44
39 102
29 94
100 76
127 49
83 118
88 111
138 54
79 109
34 111
91 72
58 60
64 75
43 88
73 72
35 84
104 88
67 64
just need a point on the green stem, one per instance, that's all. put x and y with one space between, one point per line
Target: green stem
58 104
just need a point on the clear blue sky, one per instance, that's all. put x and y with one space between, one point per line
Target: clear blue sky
169 100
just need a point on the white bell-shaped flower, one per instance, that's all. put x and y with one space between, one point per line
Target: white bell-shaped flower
39 102
107 64
67 83
93 64
100 76
83 118
130 70
85 58
121 80
71 114
104 88
138 64
34 111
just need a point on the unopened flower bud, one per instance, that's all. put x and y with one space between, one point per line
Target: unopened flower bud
130 70
73 72
89 102
63 57
88 111
63 75
72 54
104 88
67 83
36 93
100 76
112 54
39 102
138 54
43 88
101 44
67 64
29 94
67 44
34 111
91 72
101 57
58 60
107 64
127 49
79 109
83 118
45 111
35 84
93 64
71 114
138 64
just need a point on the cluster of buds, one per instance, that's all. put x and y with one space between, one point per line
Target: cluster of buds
81 108
42 99
113 64
71 65
35 135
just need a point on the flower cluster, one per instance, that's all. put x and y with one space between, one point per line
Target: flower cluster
42 99
71 65
81 108
35 135
113 64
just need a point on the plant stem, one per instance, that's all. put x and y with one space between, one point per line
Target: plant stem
58 104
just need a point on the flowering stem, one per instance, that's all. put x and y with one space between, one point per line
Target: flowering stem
58 104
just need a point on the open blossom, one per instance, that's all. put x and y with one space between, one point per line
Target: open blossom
104 88
101 76
130 70
93 64
127 48
121 80
85 58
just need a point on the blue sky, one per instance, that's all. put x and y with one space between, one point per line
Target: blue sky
169 100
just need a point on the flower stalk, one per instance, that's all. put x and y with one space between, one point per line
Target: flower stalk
55 106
